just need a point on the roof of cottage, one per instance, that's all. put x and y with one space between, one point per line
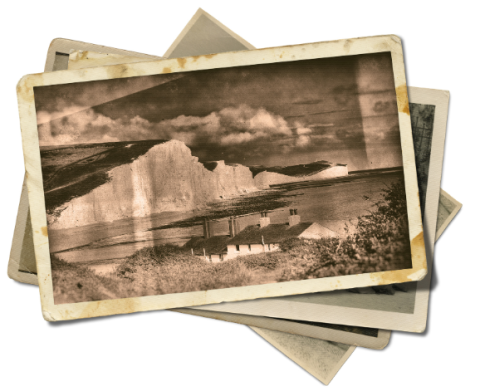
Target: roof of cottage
272 233
213 245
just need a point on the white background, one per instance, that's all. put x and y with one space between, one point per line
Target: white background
164 350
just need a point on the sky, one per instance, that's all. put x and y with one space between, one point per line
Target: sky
340 109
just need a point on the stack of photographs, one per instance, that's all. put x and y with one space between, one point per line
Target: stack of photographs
295 189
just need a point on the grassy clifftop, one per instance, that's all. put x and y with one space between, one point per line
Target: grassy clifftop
298 170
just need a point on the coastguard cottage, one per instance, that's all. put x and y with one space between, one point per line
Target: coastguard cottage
254 239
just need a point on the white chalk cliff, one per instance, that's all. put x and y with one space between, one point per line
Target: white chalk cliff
166 178
265 179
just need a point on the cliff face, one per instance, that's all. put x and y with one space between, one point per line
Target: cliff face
233 180
265 179
166 178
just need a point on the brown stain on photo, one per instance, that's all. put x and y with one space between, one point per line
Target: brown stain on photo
182 62
107 306
167 70
419 258
82 55
418 249
44 231
207 56
26 84
117 71
402 99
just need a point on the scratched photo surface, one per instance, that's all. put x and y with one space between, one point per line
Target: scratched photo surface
223 178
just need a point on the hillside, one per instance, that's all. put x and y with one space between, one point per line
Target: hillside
137 180
298 170
315 171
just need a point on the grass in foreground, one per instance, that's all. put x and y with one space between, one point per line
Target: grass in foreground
379 243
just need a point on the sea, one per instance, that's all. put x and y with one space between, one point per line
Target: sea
335 204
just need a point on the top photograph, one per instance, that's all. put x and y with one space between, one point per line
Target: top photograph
188 179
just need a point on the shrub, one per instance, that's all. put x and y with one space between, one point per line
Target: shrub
268 261
380 242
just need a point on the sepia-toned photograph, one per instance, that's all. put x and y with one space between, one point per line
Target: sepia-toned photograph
193 178
322 359
223 178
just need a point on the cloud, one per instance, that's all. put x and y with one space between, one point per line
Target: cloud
303 141
46 116
321 125
302 130
229 126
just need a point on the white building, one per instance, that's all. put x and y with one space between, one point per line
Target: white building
255 239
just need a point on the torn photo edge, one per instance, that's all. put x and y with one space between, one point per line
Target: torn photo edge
232 59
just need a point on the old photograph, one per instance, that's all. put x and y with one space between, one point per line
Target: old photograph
397 306
322 359
448 207
187 194
350 335
246 205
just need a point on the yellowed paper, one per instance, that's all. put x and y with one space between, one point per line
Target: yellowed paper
356 336
80 59
309 51
448 207
60 48
205 35
322 359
